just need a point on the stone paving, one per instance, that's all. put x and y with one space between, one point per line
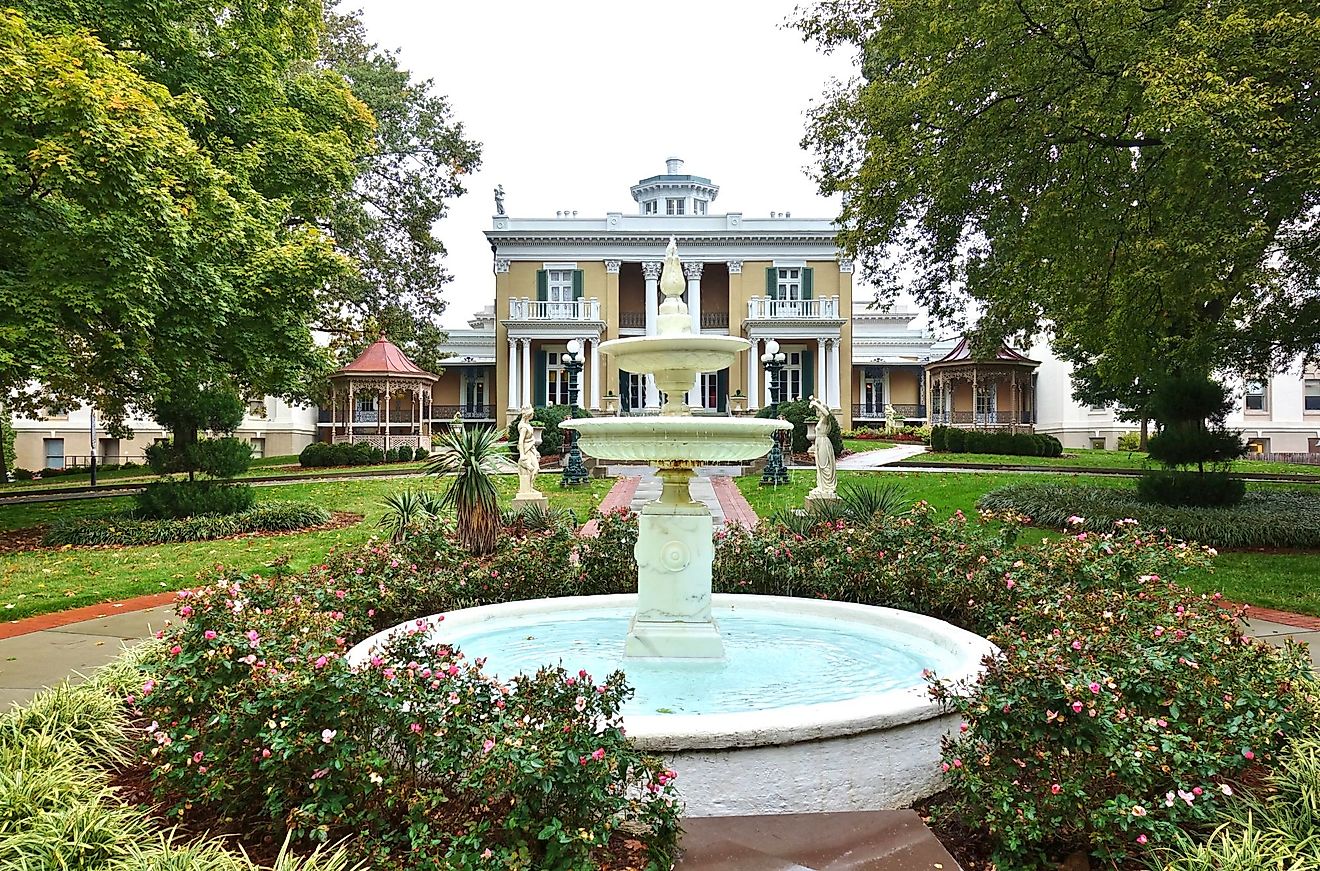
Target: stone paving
878 458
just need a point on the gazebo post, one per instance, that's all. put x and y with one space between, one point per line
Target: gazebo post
387 415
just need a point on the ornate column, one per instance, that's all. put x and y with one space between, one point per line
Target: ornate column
651 272
526 379
692 272
352 411
833 384
581 386
596 374
822 371
386 415
515 383
753 371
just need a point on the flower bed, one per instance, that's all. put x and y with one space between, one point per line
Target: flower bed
125 529
1264 518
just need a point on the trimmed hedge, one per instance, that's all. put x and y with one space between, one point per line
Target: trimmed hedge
547 417
173 499
799 413
125 529
1264 518
974 441
1191 489
323 454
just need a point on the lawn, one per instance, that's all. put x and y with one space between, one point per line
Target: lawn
1087 458
859 446
1273 580
267 467
37 582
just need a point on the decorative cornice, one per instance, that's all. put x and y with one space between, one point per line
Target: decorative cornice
661 239
651 269
692 269
735 267
612 266
501 265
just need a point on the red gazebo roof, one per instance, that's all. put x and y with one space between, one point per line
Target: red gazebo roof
383 357
962 353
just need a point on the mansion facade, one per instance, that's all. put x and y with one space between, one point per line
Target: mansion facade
768 278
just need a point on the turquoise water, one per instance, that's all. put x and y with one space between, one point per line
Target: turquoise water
771 660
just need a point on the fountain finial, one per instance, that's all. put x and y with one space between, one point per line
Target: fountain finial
674 319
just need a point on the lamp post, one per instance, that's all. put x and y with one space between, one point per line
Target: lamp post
575 472
773 359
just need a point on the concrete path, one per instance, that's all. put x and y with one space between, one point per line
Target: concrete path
882 457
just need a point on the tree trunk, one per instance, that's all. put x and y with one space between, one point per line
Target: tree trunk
1145 434
4 457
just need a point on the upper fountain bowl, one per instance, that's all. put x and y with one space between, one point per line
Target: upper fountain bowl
685 352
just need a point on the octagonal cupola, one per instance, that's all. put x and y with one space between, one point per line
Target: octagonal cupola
674 193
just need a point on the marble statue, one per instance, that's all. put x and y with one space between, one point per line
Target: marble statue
891 418
827 474
529 463
499 199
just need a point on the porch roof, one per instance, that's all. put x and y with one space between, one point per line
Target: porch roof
383 358
962 354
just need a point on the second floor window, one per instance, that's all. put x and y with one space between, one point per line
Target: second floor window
789 286
650 207
559 291
698 207
1311 394
1256 396
674 206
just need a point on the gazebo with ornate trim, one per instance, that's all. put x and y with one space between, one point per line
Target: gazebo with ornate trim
384 372
1008 367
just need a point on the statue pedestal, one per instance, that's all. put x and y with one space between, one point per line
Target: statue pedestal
675 551
524 500
816 499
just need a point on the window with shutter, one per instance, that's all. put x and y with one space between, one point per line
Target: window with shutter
806 283
577 284
540 285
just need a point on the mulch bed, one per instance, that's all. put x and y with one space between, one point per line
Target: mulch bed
30 538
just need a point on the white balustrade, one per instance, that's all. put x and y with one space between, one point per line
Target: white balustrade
768 308
524 309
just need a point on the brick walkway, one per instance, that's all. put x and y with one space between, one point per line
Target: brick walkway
736 507
620 496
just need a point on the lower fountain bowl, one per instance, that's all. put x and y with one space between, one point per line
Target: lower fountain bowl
818 706
686 439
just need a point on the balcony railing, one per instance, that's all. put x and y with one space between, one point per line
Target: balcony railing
442 413
524 309
714 320
433 413
983 419
879 411
632 320
766 308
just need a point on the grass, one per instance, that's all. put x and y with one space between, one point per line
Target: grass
38 582
266 467
1088 458
859 446
1281 580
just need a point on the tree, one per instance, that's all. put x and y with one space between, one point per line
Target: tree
1144 178
472 455
1131 402
1191 410
385 223
241 149
186 414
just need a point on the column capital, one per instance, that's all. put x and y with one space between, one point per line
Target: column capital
651 269
845 265
501 264
612 266
735 267
692 269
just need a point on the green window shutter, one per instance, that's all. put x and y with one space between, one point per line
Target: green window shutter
541 286
806 283
539 375
623 391
577 284
808 375
772 282
722 389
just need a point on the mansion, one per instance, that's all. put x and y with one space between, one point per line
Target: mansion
776 277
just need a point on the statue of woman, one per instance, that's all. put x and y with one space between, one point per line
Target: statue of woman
827 474
529 459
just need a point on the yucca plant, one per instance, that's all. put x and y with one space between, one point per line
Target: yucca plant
862 503
537 518
406 509
472 455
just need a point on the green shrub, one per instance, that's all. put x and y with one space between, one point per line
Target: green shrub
1190 489
955 440
1264 518
1129 441
174 499
420 453
938 438
547 417
539 771
1113 716
1055 447
22 474
127 530
799 413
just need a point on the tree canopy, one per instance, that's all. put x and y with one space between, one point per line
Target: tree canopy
189 187
1140 178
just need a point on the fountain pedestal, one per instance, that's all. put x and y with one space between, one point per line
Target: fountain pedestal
675 551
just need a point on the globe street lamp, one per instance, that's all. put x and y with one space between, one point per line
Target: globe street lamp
773 359
576 471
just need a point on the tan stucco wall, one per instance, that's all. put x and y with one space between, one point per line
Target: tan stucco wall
902 386
447 391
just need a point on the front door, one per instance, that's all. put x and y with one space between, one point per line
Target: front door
474 394
873 393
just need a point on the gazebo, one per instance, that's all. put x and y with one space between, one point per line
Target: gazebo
381 398
982 393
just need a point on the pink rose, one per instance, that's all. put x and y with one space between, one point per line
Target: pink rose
1077 707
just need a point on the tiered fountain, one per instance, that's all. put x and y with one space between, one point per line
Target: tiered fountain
764 704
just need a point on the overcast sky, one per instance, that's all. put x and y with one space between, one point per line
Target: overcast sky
573 102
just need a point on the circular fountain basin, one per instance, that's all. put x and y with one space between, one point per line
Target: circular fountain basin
817 706
687 351
675 440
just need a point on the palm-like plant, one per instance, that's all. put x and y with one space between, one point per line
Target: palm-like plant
472 455
407 509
